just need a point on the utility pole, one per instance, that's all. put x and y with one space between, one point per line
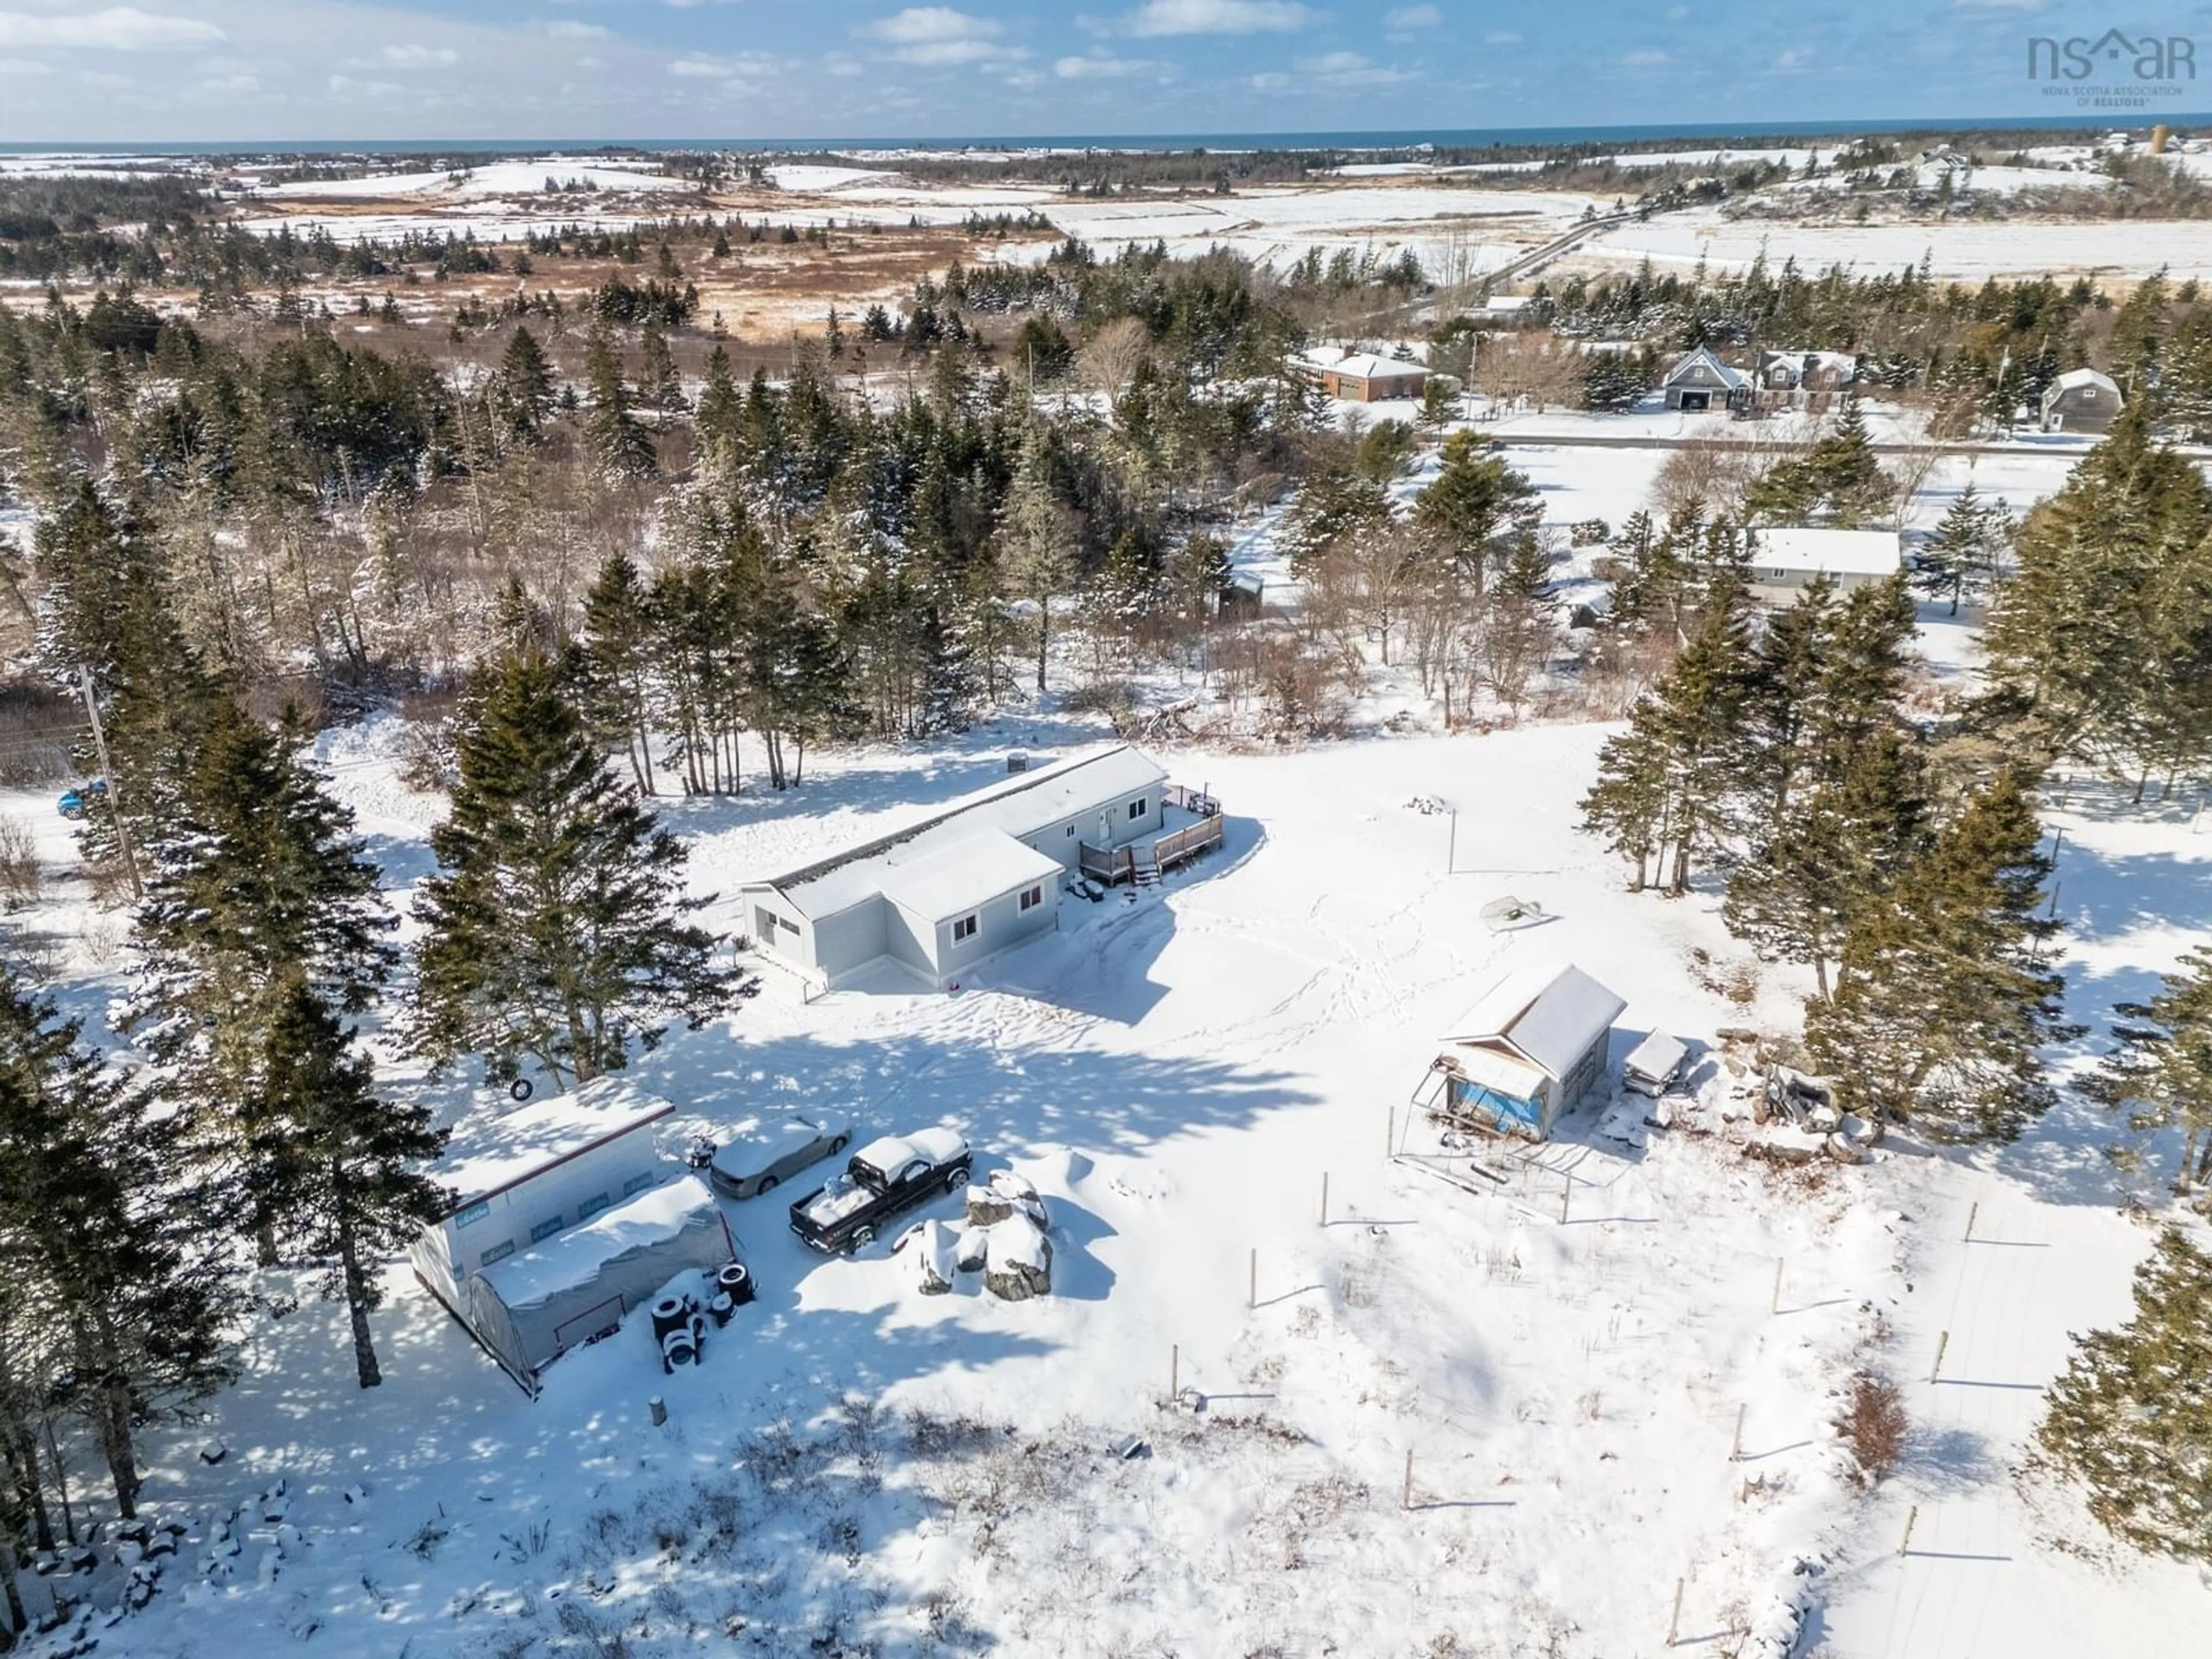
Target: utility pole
108 773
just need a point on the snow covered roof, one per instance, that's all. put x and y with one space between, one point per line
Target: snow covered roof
1842 364
1507 302
574 1258
1730 378
488 1156
1549 1020
1657 1056
2075 379
889 1153
1363 365
1022 805
957 877
1837 552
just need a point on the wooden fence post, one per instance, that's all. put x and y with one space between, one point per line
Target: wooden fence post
1735 1446
1566 1191
1904 1544
1390 1134
658 1409
1324 1198
1675 1620
1941 1343
1175 1372
1774 1305
1252 1297
1972 1210
1406 1492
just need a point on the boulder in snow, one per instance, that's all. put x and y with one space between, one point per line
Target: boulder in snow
1002 1195
971 1247
1020 1265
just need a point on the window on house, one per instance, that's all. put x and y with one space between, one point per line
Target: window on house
473 1214
593 1205
1034 897
1137 807
964 929
1069 830
496 1253
637 1183
546 1229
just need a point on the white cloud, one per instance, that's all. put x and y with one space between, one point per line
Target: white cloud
920 25
1794 58
414 58
1413 17
1349 69
565 28
1645 59
843 65
1271 80
1502 38
1166 17
345 86
106 83
231 86
747 66
941 37
117 28
1099 67
24 66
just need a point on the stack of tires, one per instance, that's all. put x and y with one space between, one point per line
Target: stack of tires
677 1330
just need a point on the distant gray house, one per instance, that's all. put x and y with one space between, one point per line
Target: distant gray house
1794 378
1783 562
2082 400
1702 381
983 875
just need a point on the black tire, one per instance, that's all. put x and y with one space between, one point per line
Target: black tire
862 1237
521 1089
840 1144
767 1185
956 1177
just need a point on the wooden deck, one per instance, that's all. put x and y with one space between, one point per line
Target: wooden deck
1144 863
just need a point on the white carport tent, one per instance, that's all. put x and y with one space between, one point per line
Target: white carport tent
530 1309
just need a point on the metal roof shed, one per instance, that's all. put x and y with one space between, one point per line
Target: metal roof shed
1529 1050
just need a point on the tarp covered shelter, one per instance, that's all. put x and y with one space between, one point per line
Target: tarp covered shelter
1530 1051
530 1309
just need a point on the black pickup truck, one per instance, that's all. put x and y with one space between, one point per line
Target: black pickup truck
885 1177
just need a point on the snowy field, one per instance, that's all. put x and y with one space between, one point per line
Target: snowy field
1962 250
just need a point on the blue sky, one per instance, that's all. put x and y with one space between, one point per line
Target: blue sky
212 70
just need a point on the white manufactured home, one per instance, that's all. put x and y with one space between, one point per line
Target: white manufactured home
539 1171
1784 563
982 876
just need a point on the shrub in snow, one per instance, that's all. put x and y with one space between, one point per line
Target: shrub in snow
1020 1264
933 1255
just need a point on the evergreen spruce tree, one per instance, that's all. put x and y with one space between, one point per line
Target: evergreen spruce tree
1332 504
1479 508
619 646
554 926
2077 640
622 448
129 1300
719 421
2161 1073
2131 1416
1945 996
523 393
259 884
351 1163
658 383
1959 560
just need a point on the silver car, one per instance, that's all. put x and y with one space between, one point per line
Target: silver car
761 1153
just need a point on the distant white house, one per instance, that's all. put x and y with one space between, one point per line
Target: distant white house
1785 561
1529 1052
542 1168
982 876
1701 381
1786 378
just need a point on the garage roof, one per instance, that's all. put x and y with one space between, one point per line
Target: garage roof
1838 552
940 881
